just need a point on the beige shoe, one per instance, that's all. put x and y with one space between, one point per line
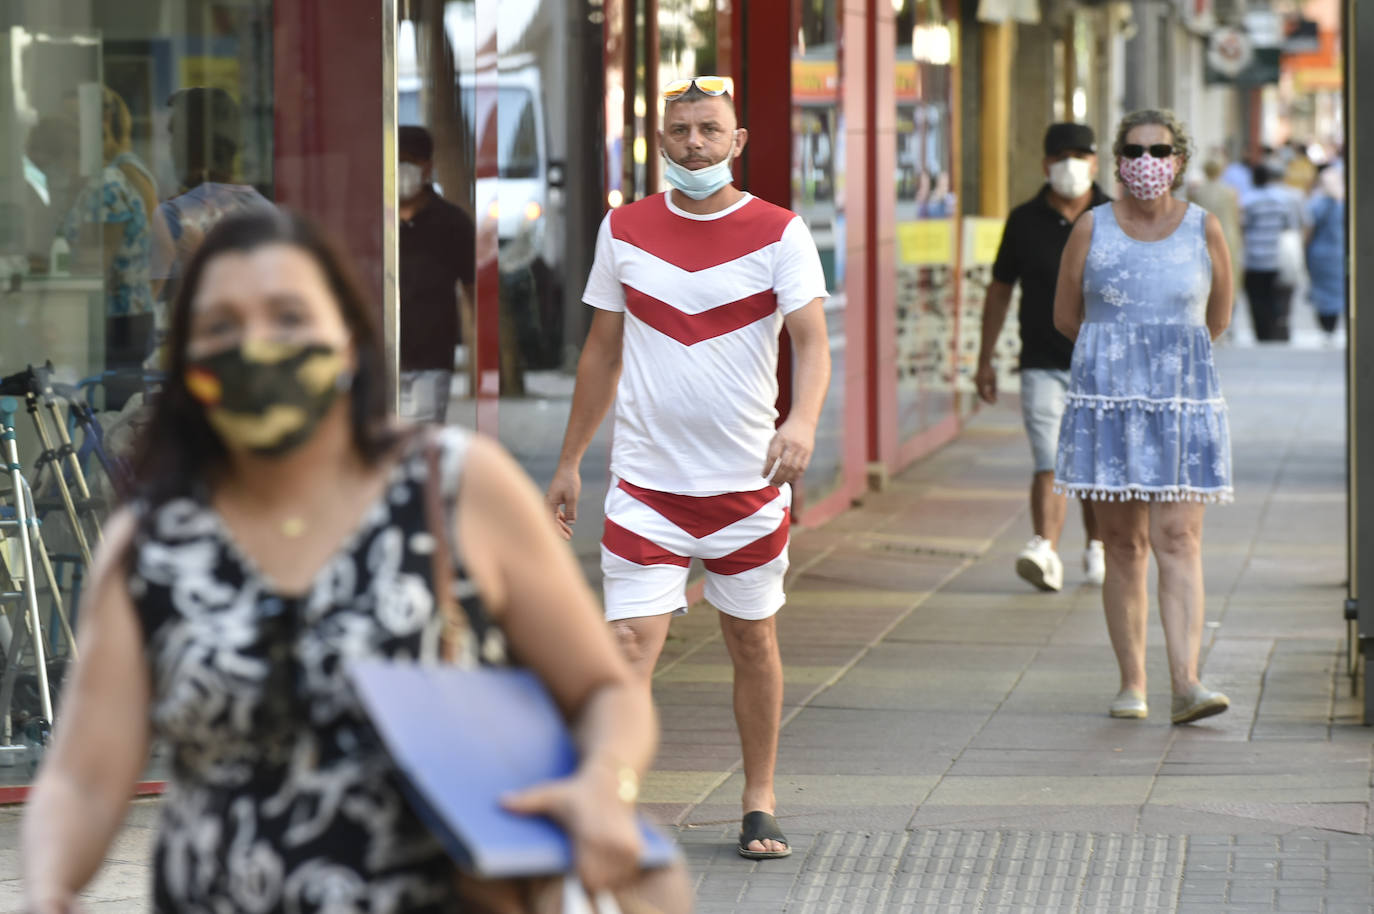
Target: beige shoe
1130 704
1197 703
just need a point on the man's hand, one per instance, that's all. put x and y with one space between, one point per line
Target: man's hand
789 452
986 381
562 498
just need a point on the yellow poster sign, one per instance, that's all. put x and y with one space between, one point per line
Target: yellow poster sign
908 80
815 80
982 238
211 72
925 242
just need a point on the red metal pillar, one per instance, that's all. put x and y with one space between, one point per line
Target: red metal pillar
487 291
881 227
327 129
857 103
763 68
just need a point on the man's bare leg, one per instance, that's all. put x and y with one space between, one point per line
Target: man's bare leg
1047 508
1089 520
753 647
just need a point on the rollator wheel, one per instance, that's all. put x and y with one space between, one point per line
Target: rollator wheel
36 732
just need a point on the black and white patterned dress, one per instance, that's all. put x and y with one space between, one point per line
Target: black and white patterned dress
281 799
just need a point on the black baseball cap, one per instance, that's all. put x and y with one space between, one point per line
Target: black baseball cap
1067 137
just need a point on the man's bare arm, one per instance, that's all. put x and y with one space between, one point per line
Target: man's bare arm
598 372
995 306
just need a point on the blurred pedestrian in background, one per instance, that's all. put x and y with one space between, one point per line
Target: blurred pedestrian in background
1221 200
1299 172
109 232
1032 245
1240 172
1326 249
437 273
205 135
1267 212
691 289
280 535
1144 289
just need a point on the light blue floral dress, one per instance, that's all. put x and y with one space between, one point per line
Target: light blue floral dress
110 198
1144 417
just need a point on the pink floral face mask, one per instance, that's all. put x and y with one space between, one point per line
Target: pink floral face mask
1146 177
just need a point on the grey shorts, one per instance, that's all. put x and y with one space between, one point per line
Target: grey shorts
1042 407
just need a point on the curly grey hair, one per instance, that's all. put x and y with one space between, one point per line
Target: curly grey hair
1163 117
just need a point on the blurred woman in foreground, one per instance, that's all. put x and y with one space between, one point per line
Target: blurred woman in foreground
281 535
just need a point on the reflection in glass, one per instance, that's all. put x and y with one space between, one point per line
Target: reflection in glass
126 131
818 157
436 244
927 212
205 132
436 254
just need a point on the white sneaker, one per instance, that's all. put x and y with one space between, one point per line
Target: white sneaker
1095 563
1039 564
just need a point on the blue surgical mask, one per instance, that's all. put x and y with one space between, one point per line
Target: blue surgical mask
703 182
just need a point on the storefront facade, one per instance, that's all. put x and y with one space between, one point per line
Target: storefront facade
130 128
860 99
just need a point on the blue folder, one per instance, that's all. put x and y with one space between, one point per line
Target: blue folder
464 738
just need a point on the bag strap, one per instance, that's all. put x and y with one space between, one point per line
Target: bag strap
455 627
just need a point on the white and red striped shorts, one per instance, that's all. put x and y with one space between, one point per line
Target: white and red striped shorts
651 538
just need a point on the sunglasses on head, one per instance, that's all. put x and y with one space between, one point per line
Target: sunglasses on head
1157 150
708 85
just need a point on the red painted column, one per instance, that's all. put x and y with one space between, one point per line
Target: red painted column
856 98
763 67
487 292
883 433
327 143
764 38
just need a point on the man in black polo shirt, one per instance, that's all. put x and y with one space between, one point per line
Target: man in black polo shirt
1032 243
437 267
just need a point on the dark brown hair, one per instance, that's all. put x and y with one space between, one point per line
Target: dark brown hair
179 450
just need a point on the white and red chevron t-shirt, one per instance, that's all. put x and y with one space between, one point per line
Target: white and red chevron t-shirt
704 299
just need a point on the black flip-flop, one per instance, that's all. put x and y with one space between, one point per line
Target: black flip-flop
761 826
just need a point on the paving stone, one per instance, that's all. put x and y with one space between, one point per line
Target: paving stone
965 762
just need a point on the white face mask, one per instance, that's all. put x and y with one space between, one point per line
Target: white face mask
703 182
1071 178
410 180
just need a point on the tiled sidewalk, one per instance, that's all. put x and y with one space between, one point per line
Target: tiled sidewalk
937 709
946 745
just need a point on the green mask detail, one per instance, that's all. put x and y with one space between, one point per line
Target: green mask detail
265 397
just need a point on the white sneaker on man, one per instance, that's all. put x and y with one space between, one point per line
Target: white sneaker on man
1095 563
1039 564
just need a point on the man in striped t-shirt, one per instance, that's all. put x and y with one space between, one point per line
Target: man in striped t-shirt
691 288
1267 212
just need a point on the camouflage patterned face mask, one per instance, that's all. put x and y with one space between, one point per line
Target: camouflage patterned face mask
268 397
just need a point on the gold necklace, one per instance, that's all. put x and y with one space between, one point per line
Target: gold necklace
293 527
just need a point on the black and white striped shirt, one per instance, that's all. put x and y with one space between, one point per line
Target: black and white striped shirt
1268 212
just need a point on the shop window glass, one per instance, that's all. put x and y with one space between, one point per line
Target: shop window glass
519 148
818 156
927 213
556 106
127 130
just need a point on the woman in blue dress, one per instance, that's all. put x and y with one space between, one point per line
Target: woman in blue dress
1325 217
1144 287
